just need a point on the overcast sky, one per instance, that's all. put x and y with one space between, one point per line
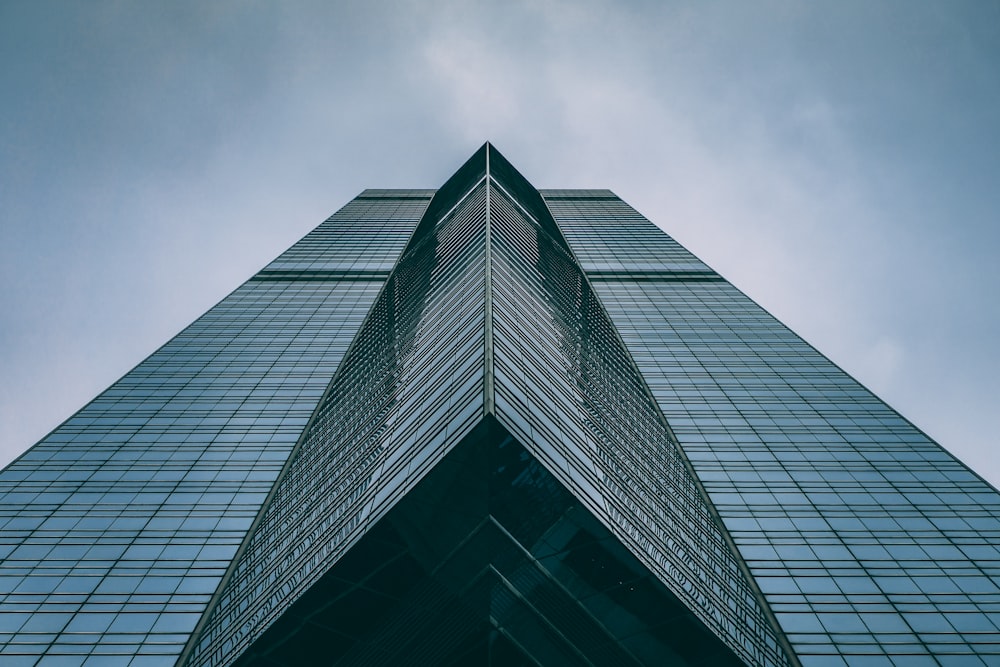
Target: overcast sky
837 161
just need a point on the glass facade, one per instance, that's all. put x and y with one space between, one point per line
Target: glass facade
410 387
492 425
117 528
871 543
567 389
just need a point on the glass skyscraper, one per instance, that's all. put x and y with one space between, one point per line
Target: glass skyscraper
491 425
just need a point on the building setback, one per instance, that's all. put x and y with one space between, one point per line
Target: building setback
491 425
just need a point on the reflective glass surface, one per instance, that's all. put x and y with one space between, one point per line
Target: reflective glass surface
485 314
567 389
489 560
116 529
872 544
410 387
490 425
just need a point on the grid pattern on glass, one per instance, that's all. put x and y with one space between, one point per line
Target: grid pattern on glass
489 560
873 545
613 237
410 387
382 222
116 528
566 388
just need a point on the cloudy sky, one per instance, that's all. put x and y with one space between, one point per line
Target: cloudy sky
838 161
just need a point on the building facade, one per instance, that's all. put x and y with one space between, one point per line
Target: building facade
493 425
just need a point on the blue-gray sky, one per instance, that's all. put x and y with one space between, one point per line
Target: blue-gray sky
838 161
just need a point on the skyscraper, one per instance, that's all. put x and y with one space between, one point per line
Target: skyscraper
492 425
